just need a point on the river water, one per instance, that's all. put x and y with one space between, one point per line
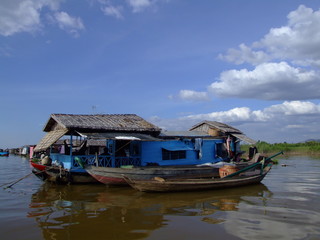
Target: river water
285 206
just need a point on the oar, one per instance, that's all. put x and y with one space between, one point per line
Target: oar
16 181
19 180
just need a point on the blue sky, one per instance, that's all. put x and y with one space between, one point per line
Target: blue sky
251 64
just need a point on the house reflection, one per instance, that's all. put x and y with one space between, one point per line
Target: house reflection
92 211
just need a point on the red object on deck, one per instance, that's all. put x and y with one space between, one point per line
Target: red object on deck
40 167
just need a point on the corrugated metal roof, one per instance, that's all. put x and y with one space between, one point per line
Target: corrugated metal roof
103 122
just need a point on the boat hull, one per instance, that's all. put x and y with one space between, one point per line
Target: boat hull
60 175
64 176
198 184
114 176
4 154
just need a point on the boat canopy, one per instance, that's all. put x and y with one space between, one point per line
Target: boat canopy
119 136
244 138
49 139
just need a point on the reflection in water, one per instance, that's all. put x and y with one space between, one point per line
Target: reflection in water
293 212
86 211
288 208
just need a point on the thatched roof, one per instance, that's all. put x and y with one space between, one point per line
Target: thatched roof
100 123
49 139
218 125
64 124
224 128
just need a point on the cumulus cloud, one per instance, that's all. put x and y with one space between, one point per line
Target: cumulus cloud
269 81
239 114
27 16
117 9
69 23
190 95
245 54
245 114
113 11
293 108
272 123
297 42
285 63
139 5
19 16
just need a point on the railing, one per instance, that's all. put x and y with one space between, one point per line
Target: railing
105 161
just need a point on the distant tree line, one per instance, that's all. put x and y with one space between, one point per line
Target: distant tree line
309 147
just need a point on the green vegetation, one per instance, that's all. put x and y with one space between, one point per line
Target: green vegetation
309 148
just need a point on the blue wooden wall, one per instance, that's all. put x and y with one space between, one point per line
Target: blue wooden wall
151 152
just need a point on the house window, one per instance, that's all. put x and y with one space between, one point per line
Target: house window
221 151
173 155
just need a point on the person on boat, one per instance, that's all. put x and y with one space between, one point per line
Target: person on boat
252 151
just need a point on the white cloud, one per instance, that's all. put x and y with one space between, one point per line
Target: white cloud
294 108
26 16
296 42
68 23
286 63
239 114
274 123
190 95
269 81
299 40
245 54
139 5
232 115
19 16
113 11
117 9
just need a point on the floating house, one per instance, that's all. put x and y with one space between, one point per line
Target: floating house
126 140
86 139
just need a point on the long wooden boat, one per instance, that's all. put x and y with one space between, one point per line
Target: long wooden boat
114 176
157 184
58 174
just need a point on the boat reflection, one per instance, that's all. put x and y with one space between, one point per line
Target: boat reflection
86 211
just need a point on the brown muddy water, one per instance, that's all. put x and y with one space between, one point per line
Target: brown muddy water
285 206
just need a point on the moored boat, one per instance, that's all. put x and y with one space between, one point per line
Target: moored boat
240 178
4 153
114 176
173 154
